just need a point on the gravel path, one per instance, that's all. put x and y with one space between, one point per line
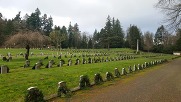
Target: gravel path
155 85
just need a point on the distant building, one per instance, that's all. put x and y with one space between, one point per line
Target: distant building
177 53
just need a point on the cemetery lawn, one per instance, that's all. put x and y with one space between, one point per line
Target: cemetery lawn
14 85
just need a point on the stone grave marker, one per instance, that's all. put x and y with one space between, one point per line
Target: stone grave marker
135 68
38 65
62 88
69 62
98 78
83 61
50 63
124 71
109 76
27 64
117 73
34 95
77 62
60 64
4 69
84 81
130 69
146 65
142 66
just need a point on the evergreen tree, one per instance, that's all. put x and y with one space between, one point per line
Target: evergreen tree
47 24
90 43
107 33
34 21
117 40
96 39
84 41
77 36
159 35
71 36
134 34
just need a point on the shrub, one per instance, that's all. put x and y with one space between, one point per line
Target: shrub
84 81
109 76
34 95
98 78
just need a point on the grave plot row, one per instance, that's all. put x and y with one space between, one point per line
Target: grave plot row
35 95
77 61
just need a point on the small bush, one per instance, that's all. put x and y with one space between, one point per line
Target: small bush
109 76
34 95
84 81
98 78
117 73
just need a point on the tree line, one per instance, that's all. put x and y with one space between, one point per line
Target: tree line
38 32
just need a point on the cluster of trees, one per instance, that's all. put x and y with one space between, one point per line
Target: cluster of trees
26 26
112 35
38 31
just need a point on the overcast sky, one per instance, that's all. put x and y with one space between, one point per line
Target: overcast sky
90 14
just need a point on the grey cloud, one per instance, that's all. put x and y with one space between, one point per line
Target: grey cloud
92 14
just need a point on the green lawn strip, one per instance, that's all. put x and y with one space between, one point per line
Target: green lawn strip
14 84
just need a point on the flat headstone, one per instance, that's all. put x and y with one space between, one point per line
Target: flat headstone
38 65
4 69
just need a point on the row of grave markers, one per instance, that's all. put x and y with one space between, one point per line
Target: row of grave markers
77 62
34 94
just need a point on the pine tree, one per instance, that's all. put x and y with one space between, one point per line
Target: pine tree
134 34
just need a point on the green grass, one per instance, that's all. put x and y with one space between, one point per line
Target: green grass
13 85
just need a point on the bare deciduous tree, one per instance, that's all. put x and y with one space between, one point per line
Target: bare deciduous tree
172 9
21 39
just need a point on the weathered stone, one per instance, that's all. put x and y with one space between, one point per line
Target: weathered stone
4 69
84 81
124 71
146 64
50 63
109 76
37 65
60 64
98 78
34 95
27 64
130 69
69 62
62 88
117 73
140 67
77 62
83 61
135 68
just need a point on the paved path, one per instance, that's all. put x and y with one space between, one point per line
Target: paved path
155 85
